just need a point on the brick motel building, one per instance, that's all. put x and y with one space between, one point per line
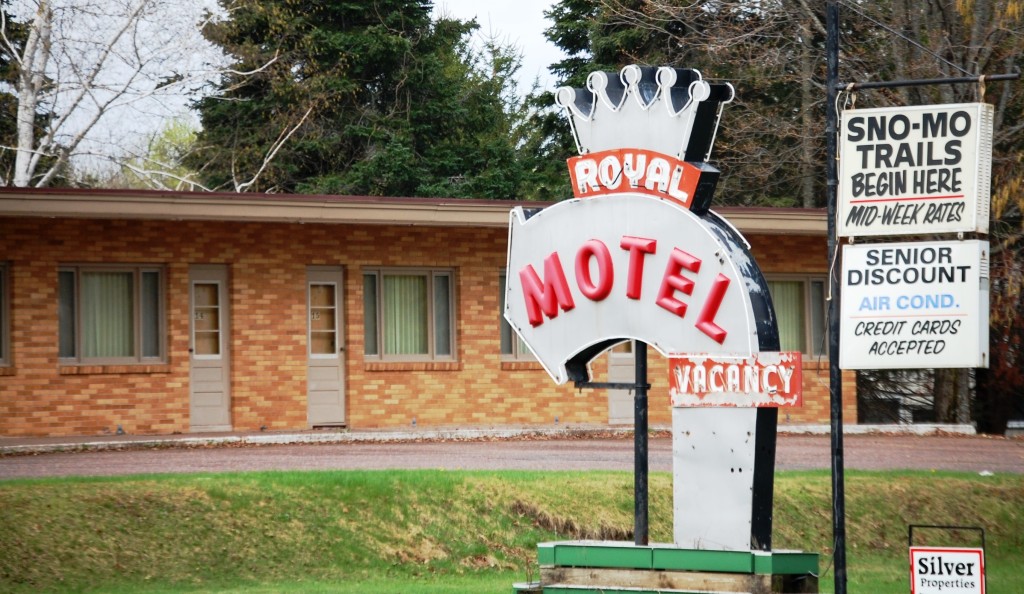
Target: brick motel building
164 312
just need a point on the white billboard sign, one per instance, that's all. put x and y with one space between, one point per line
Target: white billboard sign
915 305
945 570
915 170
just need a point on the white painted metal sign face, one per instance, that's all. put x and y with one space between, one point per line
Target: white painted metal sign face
583 272
939 570
915 305
914 170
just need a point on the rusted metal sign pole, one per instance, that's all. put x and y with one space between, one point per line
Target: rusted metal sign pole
640 460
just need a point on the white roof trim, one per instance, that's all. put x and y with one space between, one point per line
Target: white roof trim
290 208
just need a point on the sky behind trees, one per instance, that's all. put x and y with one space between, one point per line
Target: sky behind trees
521 23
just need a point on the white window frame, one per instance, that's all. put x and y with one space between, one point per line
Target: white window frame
5 314
813 347
137 357
515 349
220 320
309 320
431 274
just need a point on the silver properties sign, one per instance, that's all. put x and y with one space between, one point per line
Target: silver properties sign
913 170
915 305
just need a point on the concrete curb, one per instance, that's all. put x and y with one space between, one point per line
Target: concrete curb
920 429
339 437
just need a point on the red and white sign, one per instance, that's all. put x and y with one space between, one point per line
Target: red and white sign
640 171
627 266
915 170
943 570
764 379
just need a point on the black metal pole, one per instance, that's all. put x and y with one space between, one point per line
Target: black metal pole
835 374
922 82
640 465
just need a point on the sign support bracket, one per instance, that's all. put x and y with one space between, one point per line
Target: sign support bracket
641 465
910 531
923 82
631 386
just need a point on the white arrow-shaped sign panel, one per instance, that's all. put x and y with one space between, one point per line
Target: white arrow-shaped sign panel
583 274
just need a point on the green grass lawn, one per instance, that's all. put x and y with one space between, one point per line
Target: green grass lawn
438 531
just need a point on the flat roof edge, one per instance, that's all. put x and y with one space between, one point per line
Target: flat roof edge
287 208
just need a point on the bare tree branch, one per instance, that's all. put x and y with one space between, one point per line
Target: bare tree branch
283 138
86 60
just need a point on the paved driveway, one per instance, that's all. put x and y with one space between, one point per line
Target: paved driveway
866 452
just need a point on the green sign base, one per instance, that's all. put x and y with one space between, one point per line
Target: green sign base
583 567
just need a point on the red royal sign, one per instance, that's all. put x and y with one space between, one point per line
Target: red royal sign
768 379
634 170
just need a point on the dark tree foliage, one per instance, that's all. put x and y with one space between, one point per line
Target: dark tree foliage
1000 390
382 101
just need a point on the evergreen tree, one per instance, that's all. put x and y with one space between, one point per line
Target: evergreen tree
363 98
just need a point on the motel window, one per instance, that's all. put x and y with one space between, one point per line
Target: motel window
111 314
800 308
5 315
409 314
512 347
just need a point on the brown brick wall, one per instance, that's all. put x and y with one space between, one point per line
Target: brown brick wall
267 266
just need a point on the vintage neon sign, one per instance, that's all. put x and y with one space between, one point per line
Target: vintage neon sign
637 254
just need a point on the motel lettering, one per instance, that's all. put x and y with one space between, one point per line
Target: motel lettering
590 272
733 377
546 296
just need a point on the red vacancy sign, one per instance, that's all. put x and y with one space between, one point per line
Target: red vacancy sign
770 379
945 570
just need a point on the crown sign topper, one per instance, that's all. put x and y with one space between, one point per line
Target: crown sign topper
648 130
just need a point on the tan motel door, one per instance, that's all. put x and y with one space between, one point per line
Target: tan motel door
325 361
209 349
